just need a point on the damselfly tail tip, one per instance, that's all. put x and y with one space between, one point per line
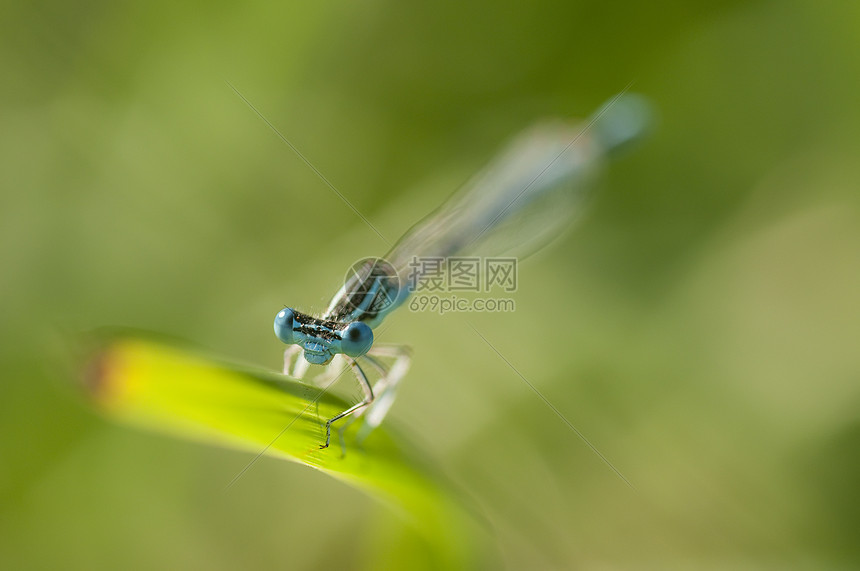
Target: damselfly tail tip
623 120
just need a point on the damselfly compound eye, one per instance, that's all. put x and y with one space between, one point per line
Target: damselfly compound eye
284 325
356 339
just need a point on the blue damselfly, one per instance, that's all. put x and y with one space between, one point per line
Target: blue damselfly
522 199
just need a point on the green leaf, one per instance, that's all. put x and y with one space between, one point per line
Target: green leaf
161 386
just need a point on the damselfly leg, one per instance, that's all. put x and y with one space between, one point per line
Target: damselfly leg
386 387
368 399
389 362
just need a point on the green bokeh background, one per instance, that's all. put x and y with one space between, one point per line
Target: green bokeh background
700 325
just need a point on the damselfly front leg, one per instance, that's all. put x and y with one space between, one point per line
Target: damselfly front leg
368 399
294 365
384 389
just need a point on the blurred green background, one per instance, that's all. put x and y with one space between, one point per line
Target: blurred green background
707 307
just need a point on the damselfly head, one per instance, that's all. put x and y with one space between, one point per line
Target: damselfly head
322 339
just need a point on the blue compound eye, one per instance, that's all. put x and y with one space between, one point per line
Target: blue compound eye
356 339
284 325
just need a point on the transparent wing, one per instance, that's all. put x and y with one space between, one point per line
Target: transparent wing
521 200
529 192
